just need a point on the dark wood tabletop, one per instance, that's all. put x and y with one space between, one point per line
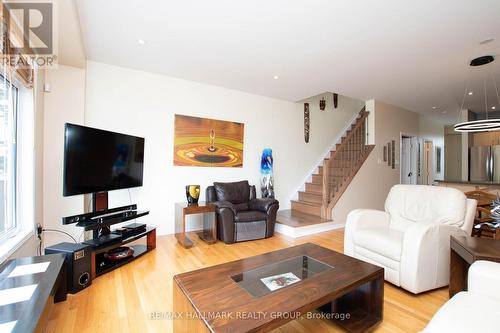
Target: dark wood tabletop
32 314
476 248
212 290
195 208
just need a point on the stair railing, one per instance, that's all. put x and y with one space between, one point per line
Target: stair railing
343 161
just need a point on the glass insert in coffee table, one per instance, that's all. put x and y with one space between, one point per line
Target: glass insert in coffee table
266 279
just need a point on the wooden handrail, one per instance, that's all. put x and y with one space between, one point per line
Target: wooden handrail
359 122
326 187
351 150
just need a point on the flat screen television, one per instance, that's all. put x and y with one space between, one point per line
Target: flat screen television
96 160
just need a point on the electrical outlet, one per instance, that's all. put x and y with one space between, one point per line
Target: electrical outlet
39 230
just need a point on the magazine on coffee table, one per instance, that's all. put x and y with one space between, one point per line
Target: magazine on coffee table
276 282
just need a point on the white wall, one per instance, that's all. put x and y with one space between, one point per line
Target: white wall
372 183
64 103
144 104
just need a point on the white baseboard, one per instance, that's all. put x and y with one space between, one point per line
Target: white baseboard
306 230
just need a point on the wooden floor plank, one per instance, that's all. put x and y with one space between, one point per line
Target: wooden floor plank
137 297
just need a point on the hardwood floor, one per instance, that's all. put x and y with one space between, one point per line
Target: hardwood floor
138 297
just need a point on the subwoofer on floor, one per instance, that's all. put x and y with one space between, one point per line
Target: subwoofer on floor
78 264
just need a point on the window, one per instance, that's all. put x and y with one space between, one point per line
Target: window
8 157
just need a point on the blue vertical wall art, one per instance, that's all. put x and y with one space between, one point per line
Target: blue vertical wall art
266 173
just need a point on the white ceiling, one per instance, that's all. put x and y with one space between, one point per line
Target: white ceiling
413 54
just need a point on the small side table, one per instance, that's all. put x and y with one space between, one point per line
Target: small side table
209 232
464 251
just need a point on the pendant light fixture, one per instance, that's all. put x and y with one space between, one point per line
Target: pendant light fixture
487 124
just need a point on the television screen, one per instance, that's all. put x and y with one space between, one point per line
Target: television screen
96 160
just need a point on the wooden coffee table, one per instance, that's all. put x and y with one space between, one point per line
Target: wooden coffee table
231 297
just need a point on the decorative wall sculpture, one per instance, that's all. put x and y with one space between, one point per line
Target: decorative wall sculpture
266 173
335 100
322 104
207 142
307 122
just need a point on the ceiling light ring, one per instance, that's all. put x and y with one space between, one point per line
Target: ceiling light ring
483 125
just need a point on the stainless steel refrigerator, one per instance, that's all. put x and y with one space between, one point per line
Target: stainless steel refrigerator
484 164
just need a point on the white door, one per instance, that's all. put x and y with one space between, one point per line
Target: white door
408 160
413 159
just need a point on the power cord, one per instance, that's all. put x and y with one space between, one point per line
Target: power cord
63 232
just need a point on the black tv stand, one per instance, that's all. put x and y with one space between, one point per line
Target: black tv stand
101 266
99 221
107 239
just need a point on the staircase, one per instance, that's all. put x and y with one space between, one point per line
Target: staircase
333 177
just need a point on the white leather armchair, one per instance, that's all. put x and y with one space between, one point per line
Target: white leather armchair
411 238
475 310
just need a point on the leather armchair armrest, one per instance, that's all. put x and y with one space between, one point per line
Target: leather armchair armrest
225 212
220 205
262 205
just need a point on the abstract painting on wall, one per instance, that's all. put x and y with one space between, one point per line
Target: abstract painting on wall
207 142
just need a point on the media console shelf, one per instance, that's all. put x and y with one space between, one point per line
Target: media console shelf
101 265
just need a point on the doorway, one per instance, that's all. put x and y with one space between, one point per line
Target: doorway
408 163
427 169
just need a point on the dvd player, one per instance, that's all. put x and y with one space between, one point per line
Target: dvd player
130 230
108 239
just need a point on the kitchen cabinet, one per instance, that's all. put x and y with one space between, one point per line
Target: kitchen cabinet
486 138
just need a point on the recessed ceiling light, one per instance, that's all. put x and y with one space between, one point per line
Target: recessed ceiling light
493 107
486 41
434 107
141 41
276 77
470 93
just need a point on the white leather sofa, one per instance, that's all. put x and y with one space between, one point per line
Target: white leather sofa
474 310
411 238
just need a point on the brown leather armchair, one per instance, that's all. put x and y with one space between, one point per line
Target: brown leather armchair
240 215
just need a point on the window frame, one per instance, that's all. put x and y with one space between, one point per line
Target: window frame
12 231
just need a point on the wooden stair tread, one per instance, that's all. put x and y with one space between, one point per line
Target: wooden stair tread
307 203
297 219
311 193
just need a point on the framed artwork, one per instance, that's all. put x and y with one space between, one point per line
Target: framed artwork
393 154
389 154
207 142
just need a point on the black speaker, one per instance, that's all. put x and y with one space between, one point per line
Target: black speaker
78 264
